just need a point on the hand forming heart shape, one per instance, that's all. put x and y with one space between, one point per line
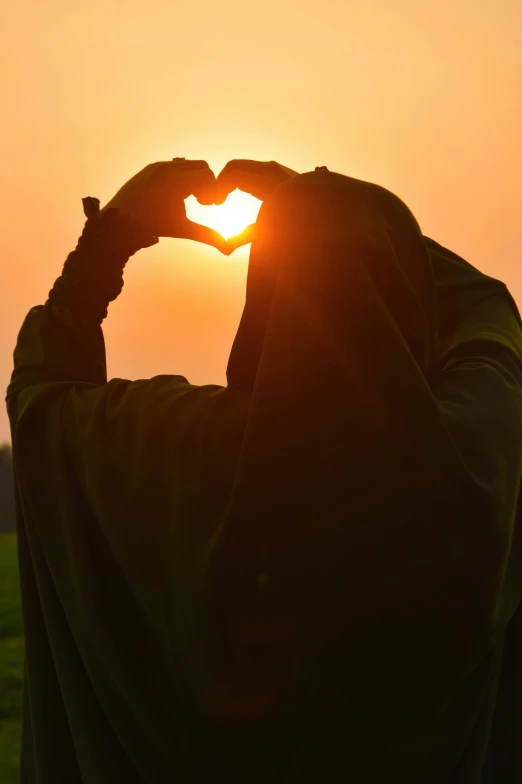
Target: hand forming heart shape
156 196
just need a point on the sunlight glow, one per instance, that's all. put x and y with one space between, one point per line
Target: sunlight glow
238 211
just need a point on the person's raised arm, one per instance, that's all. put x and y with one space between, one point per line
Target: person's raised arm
62 340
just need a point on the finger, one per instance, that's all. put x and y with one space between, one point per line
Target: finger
180 168
194 231
183 165
196 178
243 238
202 184
180 184
248 176
254 184
241 164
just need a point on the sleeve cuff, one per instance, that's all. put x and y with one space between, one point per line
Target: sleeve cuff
92 275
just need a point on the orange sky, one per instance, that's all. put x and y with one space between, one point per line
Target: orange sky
424 98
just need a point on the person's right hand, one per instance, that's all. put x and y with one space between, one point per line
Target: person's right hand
259 178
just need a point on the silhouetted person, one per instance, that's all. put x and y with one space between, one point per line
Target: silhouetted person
306 576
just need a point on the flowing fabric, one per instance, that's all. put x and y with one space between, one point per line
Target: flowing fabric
311 573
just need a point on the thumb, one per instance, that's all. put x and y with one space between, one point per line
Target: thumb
243 238
194 231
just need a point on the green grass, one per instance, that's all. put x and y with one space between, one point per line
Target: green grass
11 660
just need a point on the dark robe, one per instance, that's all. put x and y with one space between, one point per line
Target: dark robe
309 575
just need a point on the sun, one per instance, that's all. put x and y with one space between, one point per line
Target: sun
238 211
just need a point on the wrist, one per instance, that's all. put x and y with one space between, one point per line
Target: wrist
92 275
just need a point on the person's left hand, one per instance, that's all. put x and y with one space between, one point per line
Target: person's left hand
156 197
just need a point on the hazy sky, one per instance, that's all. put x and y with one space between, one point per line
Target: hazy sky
424 98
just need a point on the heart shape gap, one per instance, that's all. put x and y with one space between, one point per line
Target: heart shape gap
230 218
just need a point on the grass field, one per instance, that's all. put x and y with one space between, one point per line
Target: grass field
11 660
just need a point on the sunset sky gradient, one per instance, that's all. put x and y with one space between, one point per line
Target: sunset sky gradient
424 98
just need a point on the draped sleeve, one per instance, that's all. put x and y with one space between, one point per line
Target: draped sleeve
118 486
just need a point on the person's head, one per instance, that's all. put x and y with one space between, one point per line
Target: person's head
327 245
